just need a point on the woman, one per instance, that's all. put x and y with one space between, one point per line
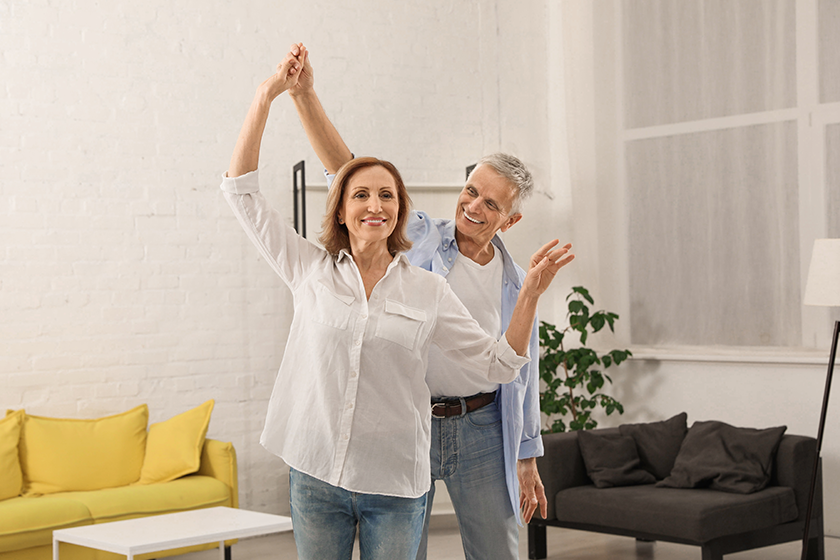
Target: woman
350 409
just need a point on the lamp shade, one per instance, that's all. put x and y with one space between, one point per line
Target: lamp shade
824 274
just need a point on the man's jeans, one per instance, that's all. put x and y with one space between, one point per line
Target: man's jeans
325 518
467 454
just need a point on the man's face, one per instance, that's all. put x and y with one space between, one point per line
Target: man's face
484 206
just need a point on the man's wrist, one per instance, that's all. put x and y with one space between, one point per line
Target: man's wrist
300 95
528 299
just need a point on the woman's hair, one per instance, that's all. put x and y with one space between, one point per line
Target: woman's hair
334 236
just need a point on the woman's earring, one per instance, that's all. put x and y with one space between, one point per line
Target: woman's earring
341 220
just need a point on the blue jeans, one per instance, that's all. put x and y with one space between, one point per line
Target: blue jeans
325 519
467 454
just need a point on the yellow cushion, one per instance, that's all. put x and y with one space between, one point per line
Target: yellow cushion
12 478
173 448
63 455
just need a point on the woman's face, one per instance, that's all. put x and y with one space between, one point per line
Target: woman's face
371 206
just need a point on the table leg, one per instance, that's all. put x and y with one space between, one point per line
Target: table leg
55 549
222 550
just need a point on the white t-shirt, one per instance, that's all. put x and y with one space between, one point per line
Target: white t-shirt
479 288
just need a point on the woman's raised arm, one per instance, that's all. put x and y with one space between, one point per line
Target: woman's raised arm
246 154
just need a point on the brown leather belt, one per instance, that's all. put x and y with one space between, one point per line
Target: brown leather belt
448 408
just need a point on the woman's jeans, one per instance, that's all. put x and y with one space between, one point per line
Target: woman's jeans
325 519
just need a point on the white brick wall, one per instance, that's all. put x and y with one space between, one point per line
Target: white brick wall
123 277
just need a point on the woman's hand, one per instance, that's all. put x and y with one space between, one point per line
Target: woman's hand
306 75
286 76
544 265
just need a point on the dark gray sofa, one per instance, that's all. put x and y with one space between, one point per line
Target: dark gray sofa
719 522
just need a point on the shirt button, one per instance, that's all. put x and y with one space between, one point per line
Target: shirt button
345 437
358 343
364 316
349 406
353 374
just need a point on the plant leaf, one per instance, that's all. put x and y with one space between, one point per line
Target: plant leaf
597 322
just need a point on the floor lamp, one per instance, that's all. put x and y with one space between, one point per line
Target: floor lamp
823 289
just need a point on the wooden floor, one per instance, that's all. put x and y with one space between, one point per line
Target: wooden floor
445 544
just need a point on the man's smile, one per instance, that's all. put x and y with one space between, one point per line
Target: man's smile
473 220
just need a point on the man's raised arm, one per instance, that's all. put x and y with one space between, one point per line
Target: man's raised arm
324 138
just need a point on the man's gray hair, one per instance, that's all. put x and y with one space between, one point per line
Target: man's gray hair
511 168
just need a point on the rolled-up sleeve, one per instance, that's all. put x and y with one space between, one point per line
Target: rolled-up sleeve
247 183
288 254
531 444
462 339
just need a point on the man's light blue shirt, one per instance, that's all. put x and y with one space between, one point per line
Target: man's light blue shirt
435 249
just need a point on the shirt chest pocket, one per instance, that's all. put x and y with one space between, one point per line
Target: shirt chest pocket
400 324
331 309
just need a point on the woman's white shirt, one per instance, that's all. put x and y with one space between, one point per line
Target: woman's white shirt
350 405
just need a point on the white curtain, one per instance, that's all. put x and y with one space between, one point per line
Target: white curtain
709 163
713 235
829 45
686 60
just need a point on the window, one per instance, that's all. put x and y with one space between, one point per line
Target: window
724 112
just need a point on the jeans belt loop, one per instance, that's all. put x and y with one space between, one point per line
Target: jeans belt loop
463 402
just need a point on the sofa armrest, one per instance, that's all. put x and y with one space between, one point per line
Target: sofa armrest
794 467
218 459
561 466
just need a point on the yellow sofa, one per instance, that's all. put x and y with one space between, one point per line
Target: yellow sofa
70 473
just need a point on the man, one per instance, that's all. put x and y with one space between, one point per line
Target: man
485 437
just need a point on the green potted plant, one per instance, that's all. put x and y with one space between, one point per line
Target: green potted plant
574 377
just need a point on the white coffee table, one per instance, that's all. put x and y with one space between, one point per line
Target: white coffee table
173 530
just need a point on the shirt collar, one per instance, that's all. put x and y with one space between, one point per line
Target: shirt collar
447 235
398 258
507 261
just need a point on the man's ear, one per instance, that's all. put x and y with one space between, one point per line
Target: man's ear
510 221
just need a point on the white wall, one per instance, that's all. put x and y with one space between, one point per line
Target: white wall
123 277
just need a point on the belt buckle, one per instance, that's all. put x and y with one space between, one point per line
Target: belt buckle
442 414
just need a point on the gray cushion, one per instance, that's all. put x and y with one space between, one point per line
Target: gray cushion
696 516
658 443
722 457
612 460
